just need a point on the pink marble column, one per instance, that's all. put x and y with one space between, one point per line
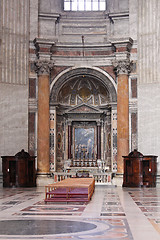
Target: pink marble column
43 70
122 68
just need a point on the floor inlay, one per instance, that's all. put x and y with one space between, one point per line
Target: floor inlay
108 216
111 204
43 227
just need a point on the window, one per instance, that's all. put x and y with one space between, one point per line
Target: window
84 5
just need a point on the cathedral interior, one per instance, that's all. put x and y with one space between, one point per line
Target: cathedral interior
79 93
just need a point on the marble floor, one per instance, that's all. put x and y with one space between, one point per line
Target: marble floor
113 213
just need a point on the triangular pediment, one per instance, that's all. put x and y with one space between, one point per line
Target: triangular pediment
84 108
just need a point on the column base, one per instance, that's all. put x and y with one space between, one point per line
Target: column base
67 164
44 179
118 180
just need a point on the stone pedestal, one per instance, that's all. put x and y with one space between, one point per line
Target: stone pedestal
118 180
44 179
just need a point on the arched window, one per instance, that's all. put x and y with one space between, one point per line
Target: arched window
84 5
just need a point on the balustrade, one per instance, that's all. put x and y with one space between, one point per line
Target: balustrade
100 178
84 163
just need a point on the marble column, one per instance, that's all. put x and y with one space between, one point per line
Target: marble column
98 141
122 69
43 70
69 141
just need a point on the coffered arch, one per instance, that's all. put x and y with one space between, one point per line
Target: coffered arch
85 82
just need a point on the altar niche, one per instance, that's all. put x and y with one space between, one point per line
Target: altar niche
85 125
84 138
83 134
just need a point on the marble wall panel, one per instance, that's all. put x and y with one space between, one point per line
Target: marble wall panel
148 119
50 6
47 28
133 131
120 27
33 19
134 87
15 36
31 133
133 5
13 119
32 88
110 70
148 40
117 5
60 142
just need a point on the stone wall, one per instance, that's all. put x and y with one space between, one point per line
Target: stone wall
14 119
14 76
149 78
149 41
15 36
33 19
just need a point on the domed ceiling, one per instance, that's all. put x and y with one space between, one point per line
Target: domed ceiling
83 89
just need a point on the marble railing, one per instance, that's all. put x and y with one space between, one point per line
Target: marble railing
100 178
84 163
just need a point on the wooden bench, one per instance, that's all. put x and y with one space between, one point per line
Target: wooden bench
70 190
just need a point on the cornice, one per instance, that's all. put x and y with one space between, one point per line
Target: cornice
43 41
43 47
49 15
118 15
119 43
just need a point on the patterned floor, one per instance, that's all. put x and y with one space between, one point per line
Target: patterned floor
113 213
148 202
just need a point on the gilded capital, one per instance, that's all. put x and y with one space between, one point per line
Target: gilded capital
43 67
122 66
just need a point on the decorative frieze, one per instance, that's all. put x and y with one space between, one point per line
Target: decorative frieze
43 67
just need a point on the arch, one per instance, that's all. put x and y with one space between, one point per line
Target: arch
94 72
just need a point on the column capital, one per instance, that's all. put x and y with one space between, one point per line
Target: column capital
98 123
69 123
122 66
43 67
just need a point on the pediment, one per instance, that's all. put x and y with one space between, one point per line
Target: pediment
84 108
